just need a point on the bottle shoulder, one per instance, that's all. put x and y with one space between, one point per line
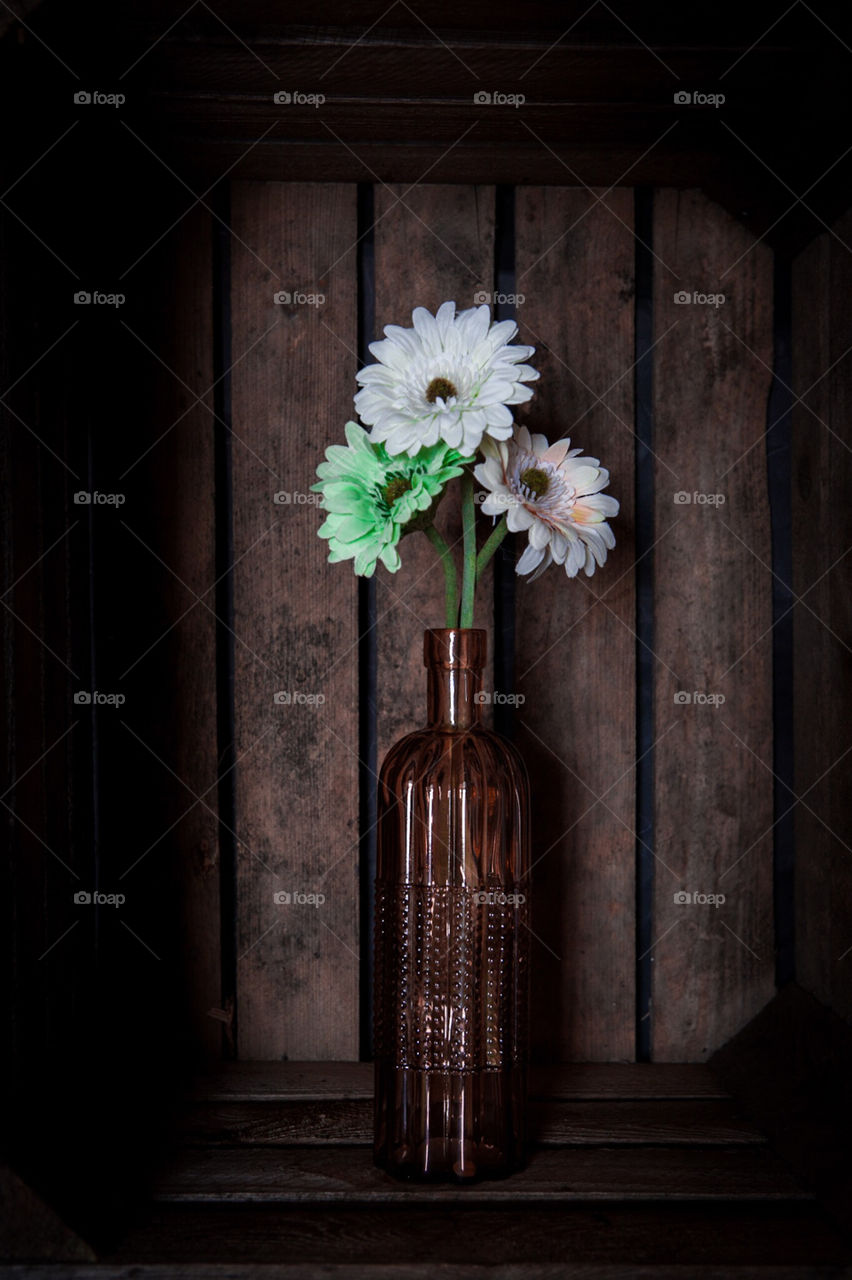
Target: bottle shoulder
477 749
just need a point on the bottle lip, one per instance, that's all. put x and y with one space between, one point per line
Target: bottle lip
452 648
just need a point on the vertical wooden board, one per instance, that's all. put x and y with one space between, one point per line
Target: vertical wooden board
43 741
822 536
295 618
432 244
33 880
182 666
712 963
575 647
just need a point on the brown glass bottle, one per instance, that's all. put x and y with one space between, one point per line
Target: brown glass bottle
452 938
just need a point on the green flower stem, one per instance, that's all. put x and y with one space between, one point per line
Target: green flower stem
469 528
450 578
495 538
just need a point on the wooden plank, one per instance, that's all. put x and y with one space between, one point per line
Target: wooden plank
713 965
191 553
333 1122
31 1229
574 264
505 1242
420 1271
791 1067
181 663
251 1081
264 1175
348 18
822 473
379 68
432 244
625 1080
30 875
40 868
295 618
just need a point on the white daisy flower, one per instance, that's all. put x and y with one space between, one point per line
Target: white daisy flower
554 494
449 378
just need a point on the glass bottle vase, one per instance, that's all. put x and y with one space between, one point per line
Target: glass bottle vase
452 936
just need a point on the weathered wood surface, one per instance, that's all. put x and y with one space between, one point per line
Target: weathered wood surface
822 536
549 1123
713 965
433 244
575 639
295 619
263 1175
252 1081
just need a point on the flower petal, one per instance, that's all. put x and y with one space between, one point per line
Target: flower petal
531 559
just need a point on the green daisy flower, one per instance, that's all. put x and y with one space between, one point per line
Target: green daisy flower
371 499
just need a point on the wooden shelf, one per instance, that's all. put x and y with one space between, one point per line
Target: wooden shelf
297 1133
629 1164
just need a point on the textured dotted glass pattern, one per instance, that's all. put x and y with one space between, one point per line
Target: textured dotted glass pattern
453 964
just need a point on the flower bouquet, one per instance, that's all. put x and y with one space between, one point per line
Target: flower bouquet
438 394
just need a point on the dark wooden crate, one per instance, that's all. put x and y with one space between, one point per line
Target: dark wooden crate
201 597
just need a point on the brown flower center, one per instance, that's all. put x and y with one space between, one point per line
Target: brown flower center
440 387
395 488
536 480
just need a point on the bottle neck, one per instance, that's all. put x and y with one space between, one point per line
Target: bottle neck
454 660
